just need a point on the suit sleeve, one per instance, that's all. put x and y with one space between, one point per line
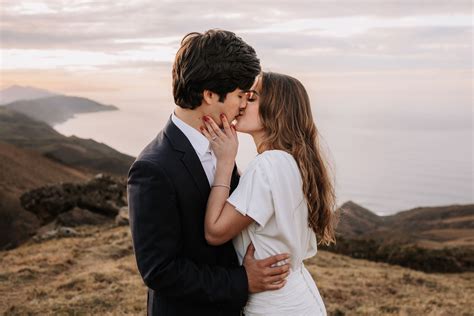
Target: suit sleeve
156 231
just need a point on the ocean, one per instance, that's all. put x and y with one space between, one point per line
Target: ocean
385 168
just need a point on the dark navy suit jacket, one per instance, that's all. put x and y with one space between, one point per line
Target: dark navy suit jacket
167 195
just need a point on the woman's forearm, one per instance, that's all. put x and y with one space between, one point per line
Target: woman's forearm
219 194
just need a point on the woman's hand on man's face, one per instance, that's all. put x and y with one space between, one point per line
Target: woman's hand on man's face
224 143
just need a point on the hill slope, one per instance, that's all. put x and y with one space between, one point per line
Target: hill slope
429 227
95 274
22 170
22 131
432 239
355 220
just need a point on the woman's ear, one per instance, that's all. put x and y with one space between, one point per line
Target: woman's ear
208 96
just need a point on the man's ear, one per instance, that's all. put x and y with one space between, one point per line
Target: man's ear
209 97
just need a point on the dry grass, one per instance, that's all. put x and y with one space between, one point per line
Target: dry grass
359 287
96 274
92 274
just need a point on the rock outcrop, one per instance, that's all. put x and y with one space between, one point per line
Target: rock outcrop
103 195
122 217
78 216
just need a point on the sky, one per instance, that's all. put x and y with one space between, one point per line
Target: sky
397 74
372 58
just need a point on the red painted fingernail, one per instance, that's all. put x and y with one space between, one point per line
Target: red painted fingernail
222 115
206 118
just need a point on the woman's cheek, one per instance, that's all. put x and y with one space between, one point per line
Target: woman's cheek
239 125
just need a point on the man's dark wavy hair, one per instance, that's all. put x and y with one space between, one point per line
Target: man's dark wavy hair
216 60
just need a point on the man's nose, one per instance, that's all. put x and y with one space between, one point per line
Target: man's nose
244 102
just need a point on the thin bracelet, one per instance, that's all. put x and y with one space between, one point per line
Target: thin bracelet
221 185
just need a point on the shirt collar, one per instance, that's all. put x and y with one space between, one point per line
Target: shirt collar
199 142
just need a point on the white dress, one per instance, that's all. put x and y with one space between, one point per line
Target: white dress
270 191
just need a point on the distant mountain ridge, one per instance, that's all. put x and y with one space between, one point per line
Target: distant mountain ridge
47 106
57 109
20 130
17 92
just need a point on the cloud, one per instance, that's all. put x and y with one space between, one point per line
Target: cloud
108 25
377 49
335 43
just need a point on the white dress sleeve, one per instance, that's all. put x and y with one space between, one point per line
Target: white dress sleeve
253 196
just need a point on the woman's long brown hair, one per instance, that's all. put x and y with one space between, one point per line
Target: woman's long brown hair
286 116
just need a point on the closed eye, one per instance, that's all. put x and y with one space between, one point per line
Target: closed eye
251 96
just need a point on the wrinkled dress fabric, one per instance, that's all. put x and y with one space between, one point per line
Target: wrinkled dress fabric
270 191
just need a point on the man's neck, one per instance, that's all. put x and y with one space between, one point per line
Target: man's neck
191 117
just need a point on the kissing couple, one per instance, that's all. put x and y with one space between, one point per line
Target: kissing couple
207 239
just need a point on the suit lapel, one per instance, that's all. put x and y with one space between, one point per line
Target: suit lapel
194 166
189 158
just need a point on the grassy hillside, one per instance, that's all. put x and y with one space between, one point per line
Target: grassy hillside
95 273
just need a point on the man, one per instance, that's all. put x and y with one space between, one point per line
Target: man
170 181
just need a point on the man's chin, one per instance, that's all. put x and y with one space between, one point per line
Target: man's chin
238 125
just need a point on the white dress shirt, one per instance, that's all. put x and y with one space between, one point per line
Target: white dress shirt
201 146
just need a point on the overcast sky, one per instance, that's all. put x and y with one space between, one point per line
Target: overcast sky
351 55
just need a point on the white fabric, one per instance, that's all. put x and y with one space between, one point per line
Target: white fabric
201 146
271 192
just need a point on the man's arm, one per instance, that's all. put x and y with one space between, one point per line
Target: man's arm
156 231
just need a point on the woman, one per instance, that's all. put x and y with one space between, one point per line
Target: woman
284 199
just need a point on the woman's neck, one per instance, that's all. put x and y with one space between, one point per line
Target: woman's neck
258 138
